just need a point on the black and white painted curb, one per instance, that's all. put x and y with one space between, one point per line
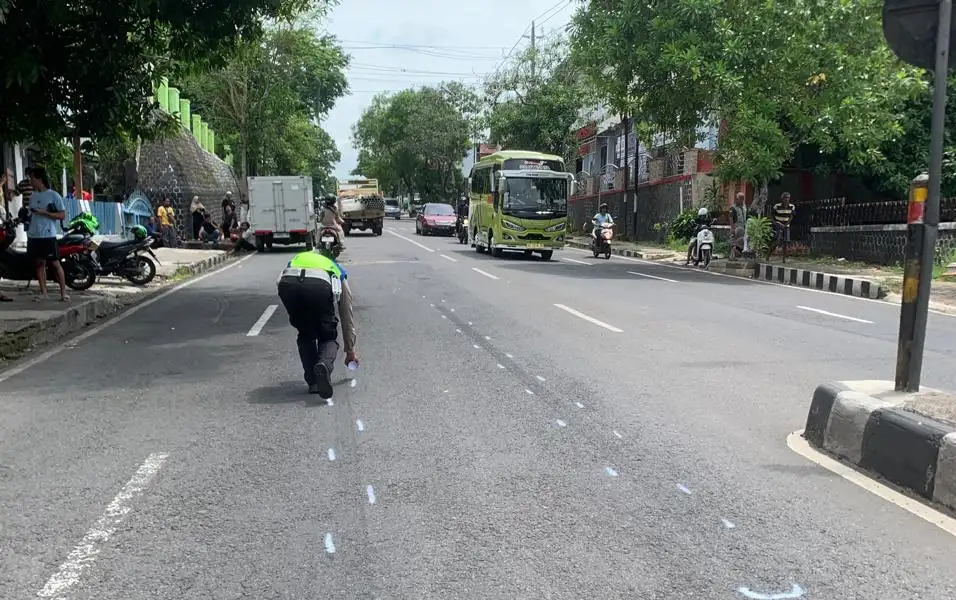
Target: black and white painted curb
840 284
646 255
867 423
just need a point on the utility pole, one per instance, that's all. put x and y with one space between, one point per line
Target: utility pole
533 51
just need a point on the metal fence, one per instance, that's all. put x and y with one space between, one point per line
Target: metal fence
116 218
843 212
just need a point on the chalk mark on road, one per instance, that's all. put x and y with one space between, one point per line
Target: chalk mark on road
610 472
329 544
410 240
540 378
589 319
684 489
619 436
561 423
371 494
727 524
360 425
331 454
529 392
833 314
795 592
84 554
579 405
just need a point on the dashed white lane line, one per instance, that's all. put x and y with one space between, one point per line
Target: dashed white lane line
529 392
444 317
371 494
579 405
589 319
410 240
458 331
577 262
618 435
540 378
653 277
610 472
470 323
795 592
258 325
446 257
476 346
485 273
488 337
452 309
501 366
331 454
329 544
797 443
508 355
727 524
353 382
84 554
360 425
561 423
832 314
684 489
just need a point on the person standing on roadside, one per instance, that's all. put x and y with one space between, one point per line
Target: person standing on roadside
167 219
197 210
738 217
46 209
782 216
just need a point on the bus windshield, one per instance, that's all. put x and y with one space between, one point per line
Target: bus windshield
528 196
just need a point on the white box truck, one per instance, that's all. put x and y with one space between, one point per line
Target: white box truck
281 210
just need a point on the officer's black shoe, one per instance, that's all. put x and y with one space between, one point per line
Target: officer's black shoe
313 388
324 381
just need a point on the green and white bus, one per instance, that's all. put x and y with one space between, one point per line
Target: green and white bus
519 201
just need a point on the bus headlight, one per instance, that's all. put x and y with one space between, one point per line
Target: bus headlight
556 227
512 226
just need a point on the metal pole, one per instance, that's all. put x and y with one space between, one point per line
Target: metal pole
923 225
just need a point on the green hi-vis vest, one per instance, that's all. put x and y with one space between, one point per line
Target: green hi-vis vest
313 260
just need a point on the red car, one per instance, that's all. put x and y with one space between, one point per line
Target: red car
435 218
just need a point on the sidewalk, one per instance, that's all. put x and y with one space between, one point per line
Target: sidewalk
25 324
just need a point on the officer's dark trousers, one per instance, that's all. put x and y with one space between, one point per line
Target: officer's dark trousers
311 308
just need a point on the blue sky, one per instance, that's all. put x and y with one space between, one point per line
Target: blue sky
397 45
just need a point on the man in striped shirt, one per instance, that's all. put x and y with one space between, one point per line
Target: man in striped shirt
781 215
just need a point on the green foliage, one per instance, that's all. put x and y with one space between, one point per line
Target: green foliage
759 234
713 201
414 141
266 102
684 227
535 101
86 67
779 74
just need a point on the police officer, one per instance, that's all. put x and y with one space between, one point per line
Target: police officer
311 287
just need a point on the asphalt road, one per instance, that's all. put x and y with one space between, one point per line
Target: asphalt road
518 429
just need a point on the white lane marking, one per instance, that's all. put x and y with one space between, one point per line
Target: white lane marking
727 524
653 277
442 300
832 314
470 323
84 554
371 494
452 310
331 454
410 240
581 315
263 319
329 544
795 592
529 392
353 382
458 331
579 262
579 405
488 338
797 443
446 257
508 355
445 391
561 423
444 317
485 273
501 366
476 346
360 425
611 472
117 319
431 305
619 436
540 378
684 489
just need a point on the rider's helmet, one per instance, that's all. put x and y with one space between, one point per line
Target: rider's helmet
330 201
139 232
603 207
702 213
85 222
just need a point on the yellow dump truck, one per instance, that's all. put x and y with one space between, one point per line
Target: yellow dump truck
361 205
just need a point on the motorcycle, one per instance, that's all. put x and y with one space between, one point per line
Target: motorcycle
329 243
705 246
463 230
18 266
601 244
125 258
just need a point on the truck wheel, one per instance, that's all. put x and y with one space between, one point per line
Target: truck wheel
547 254
377 230
346 229
260 244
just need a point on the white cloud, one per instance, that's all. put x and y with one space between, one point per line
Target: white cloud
397 45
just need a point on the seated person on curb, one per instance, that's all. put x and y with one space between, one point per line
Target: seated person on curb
209 231
246 239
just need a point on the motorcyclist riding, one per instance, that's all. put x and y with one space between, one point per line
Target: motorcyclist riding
313 287
700 221
599 219
461 214
330 218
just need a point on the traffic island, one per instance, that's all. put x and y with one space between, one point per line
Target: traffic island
908 439
26 325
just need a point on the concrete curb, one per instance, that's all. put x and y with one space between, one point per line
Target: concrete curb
649 255
14 343
866 423
840 284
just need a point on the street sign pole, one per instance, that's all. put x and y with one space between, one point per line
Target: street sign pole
923 225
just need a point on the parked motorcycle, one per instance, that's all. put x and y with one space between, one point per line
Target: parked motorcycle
17 266
329 243
463 230
130 259
601 243
705 246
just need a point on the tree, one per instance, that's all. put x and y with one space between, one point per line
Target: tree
777 75
414 141
86 67
535 101
269 97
